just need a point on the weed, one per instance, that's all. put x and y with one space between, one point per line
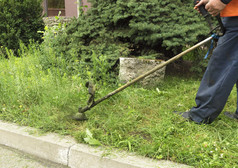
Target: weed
137 119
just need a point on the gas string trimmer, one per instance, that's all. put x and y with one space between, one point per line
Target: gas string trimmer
215 31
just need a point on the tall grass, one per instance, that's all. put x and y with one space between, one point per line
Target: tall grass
43 89
42 92
142 120
34 95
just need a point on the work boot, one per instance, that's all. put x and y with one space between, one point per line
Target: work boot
231 115
185 115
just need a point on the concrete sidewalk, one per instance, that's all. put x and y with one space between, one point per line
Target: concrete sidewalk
65 151
11 158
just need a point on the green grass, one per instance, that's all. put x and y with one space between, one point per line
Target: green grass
137 119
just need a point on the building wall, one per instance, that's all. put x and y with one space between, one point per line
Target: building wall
71 8
44 5
85 3
72 5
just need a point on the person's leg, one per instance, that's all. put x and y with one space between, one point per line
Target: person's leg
237 98
233 115
219 78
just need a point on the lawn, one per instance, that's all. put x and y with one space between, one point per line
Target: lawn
139 120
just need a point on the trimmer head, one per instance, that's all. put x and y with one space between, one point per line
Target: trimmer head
80 117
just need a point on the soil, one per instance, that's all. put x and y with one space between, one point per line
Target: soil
179 67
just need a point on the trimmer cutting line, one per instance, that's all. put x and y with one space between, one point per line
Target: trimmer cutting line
80 116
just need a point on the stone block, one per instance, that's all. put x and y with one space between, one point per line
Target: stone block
52 21
131 68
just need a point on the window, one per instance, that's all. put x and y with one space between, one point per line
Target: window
54 7
56 4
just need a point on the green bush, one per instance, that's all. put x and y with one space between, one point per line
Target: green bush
150 24
146 27
119 28
113 29
20 21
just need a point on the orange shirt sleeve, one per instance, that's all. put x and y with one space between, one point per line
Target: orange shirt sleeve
231 9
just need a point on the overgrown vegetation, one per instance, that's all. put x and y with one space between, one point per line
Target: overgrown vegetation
44 86
122 28
138 120
20 21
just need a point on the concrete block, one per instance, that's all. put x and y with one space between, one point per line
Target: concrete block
65 151
131 68
49 147
82 156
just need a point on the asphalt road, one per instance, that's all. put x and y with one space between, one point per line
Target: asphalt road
10 158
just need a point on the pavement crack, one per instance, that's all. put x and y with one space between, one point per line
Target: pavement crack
68 154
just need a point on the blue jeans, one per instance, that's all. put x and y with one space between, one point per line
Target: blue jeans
220 76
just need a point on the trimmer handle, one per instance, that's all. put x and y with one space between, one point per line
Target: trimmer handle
205 14
201 8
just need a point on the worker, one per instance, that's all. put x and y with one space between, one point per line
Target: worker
222 70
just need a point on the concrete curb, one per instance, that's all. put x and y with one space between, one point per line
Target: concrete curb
65 151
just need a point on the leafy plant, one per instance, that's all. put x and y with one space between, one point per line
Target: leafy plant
199 63
90 140
20 21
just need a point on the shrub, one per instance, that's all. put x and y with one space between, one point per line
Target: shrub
151 24
20 21
147 27
119 28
